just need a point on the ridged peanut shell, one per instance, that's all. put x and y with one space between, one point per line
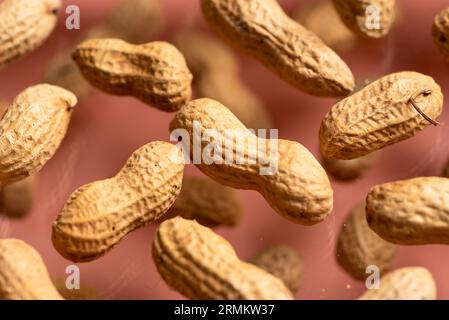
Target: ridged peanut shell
200 264
23 274
207 202
370 18
358 246
298 188
311 15
410 283
379 115
24 26
216 76
32 130
155 72
100 214
440 32
410 212
261 29
63 71
283 262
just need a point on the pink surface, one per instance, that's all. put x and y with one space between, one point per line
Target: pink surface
106 129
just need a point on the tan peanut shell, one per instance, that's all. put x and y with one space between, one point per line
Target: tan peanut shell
410 212
298 188
334 32
216 76
346 170
382 113
440 32
283 262
100 214
208 202
63 71
358 246
200 264
370 18
23 274
24 26
261 29
32 130
410 283
155 72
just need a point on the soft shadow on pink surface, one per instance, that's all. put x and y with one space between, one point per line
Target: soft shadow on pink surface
106 129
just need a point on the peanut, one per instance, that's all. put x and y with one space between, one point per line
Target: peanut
63 71
32 130
100 214
216 76
23 274
410 283
345 170
440 32
24 26
298 190
262 30
389 110
370 18
156 72
200 264
16 199
208 202
410 212
283 262
358 246
338 36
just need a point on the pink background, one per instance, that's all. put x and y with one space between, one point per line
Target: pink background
106 129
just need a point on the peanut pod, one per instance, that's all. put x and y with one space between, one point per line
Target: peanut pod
156 72
284 172
100 214
410 212
261 29
389 110
200 264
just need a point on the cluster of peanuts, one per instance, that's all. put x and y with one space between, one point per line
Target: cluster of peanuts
151 186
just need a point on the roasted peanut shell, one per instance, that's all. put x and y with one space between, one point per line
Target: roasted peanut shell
261 29
100 214
410 283
389 110
298 188
410 212
156 72
23 274
200 264
24 26
358 246
32 130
